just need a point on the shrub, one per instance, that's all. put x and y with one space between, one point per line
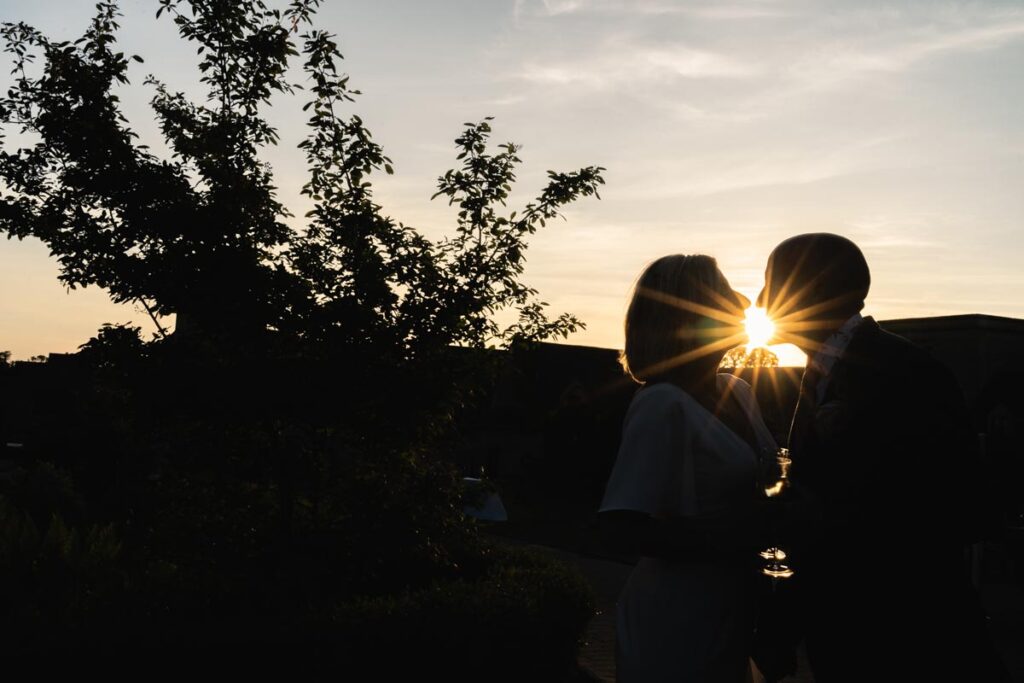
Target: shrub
521 620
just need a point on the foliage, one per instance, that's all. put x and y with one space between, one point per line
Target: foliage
202 234
59 571
758 357
113 346
75 581
526 608
279 453
198 234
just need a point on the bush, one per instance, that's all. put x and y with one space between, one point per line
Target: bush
57 579
521 620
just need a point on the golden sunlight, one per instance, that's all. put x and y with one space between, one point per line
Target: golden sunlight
759 327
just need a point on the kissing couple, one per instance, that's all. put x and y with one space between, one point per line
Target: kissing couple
884 493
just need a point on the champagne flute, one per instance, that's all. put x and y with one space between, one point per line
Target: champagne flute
775 555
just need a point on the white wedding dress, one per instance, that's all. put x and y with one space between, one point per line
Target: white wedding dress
680 621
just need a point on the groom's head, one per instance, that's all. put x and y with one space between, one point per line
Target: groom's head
813 283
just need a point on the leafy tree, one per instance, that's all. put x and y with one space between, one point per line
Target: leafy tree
195 235
280 449
759 357
202 234
113 340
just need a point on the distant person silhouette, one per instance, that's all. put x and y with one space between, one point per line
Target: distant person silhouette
690 445
886 491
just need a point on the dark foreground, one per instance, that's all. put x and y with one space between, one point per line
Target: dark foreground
564 531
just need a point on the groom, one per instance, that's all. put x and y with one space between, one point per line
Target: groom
886 491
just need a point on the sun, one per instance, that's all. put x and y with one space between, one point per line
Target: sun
759 327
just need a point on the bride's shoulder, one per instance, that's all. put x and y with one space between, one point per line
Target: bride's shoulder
656 405
727 379
660 396
738 387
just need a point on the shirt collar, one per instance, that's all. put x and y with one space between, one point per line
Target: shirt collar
834 346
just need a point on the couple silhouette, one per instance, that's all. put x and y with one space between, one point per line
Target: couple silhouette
885 488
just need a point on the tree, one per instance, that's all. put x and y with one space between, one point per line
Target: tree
281 451
194 235
202 235
759 357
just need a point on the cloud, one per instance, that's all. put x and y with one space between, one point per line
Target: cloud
883 232
547 8
704 175
833 63
797 65
624 64
505 100
754 9
803 54
556 7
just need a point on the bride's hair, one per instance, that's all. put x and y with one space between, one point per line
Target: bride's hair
679 304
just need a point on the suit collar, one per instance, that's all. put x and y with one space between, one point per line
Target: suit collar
824 360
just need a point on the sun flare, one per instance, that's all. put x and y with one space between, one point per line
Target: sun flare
759 327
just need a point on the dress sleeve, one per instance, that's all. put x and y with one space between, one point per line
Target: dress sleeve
649 470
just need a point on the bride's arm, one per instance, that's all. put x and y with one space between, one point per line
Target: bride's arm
645 495
735 534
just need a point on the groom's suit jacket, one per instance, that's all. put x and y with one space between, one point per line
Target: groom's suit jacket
888 493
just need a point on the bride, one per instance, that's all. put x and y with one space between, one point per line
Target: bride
689 452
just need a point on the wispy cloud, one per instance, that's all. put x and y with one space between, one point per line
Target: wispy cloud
555 7
882 232
800 57
622 63
753 9
702 176
547 8
896 50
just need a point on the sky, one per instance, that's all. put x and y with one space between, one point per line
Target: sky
725 127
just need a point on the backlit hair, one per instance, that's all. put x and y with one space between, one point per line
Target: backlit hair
668 313
818 274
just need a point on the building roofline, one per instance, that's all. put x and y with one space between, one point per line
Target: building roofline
970 321
965 322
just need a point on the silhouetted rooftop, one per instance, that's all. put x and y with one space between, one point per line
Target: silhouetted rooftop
953 323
